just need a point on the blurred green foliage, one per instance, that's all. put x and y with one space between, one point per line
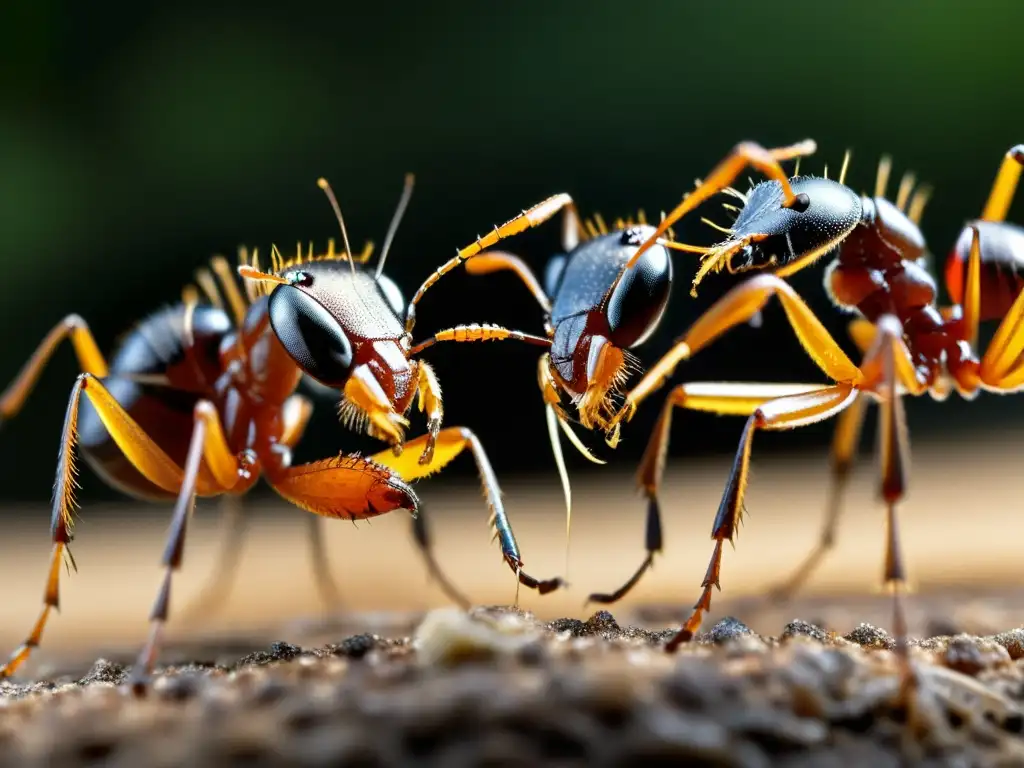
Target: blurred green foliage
135 141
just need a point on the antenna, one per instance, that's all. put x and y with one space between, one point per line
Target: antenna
322 183
403 201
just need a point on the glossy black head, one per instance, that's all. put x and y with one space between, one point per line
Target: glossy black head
789 238
600 309
638 301
325 312
311 335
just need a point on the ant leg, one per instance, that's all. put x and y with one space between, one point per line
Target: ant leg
495 261
863 334
450 443
1002 368
735 308
297 412
215 594
533 217
786 412
723 398
843 454
882 373
844 447
1005 185
972 291
743 155
355 488
90 359
208 447
999 365
429 400
326 587
147 457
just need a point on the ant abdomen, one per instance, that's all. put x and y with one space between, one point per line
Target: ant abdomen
157 348
1001 247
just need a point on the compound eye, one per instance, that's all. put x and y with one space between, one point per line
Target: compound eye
311 335
639 300
298 277
392 295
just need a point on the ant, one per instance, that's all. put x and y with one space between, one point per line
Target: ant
910 345
197 401
595 310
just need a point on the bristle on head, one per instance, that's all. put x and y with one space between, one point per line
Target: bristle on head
280 265
596 226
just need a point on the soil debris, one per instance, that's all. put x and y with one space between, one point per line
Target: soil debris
497 686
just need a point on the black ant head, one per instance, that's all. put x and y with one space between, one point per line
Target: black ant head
636 304
342 327
601 309
324 313
768 234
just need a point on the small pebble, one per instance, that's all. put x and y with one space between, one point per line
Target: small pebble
357 646
970 655
104 671
800 628
1012 641
870 636
727 629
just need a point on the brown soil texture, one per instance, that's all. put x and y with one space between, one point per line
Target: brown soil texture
499 687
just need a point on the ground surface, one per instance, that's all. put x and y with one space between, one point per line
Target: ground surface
576 691
497 687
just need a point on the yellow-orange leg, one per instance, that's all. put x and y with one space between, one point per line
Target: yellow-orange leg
90 360
746 154
894 455
354 488
711 397
844 448
533 217
736 308
1001 367
207 448
1005 185
1000 371
842 456
428 387
295 414
147 457
498 261
450 442
780 413
1005 347
234 526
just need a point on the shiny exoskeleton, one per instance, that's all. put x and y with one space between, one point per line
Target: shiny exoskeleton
599 310
879 273
596 308
197 401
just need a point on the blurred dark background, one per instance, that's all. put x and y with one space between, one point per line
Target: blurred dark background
138 141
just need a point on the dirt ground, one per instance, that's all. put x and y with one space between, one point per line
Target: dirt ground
273 677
